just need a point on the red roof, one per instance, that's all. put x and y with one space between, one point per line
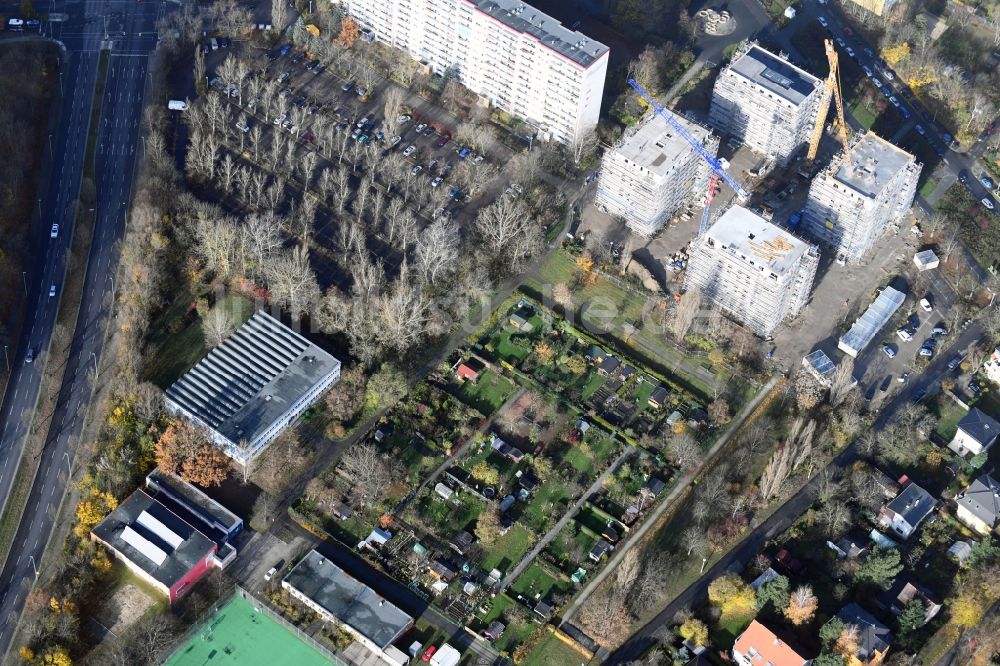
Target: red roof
761 646
465 372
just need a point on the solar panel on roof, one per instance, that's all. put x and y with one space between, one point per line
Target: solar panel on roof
144 546
152 524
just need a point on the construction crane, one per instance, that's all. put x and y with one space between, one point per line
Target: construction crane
831 88
719 171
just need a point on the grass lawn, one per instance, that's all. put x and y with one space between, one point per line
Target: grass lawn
928 187
445 518
508 549
487 394
537 582
592 385
549 501
176 353
516 632
589 457
505 348
729 627
552 651
950 413
862 114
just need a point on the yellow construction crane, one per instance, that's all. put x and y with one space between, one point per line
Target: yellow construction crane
831 88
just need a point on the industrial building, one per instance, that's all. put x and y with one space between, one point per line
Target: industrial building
652 172
337 597
755 271
871 322
854 199
766 102
252 386
512 55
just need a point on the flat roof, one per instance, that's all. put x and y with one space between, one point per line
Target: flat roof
524 18
873 319
350 601
153 538
213 516
656 146
775 74
874 163
754 238
239 635
242 386
820 362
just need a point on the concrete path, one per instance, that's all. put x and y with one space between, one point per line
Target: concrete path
568 516
636 535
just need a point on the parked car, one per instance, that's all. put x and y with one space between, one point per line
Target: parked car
939 330
437 181
868 71
921 131
410 149
850 51
464 152
893 100
402 119
889 351
885 384
926 305
285 50
416 170
428 653
823 22
270 573
361 91
987 182
904 334
841 43
988 203
926 351
443 141
420 127
954 362
347 86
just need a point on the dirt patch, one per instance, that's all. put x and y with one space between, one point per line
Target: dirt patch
124 607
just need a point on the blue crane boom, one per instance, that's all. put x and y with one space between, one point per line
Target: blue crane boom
695 143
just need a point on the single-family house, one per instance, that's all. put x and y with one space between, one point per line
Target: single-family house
595 354
904 514
904 590
543 609
873 637
979 504
519 320
600 550
652 488
341 511
494 631
442 569
608 365
852 545
462 542
991 368
469 371
977 431
766 576
759 646
611 532
658 397
627 372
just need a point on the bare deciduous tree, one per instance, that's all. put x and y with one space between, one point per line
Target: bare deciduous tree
437 250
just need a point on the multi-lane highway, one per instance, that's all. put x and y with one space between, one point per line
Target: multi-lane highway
126 31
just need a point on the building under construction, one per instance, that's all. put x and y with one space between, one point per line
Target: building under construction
652 172
757 272
766 102
854 199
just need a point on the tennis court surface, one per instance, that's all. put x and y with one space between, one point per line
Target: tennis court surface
238 634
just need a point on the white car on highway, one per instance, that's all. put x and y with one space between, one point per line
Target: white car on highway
54 231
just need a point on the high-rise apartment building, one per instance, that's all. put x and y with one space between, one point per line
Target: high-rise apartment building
515 57
757 272
766 102
852 201
652 172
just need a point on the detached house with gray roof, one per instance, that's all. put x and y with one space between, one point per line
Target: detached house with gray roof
874 638
977 432
979 504
904 514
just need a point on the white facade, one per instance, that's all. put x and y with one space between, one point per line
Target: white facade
515 57
992 367
652 172
767 102
755 271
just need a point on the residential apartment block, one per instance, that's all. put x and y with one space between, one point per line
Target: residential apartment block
515 57
766 102
755 271
652 172
853 200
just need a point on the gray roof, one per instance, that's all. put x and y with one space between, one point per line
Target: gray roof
874 163
872 321
913 504
657 147
351 602
756 240
549 32
873 636
776 74
253 378
819 362
194 506
153 538
979 426
982 499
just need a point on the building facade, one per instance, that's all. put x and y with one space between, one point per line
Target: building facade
652 172
247 390
854 199
978 506
512 55
757 272
766 102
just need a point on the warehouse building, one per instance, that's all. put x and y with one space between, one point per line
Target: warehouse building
766 102
871 322
652 172
757 272
252 386
854 199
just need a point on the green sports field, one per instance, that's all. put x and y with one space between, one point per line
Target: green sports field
237 634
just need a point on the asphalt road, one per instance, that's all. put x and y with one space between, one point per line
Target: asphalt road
129 26
646 637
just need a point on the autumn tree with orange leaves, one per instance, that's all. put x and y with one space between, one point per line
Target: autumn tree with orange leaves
185 451
349 33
